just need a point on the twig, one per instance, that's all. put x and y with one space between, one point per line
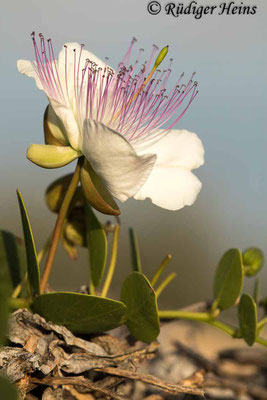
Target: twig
76 381
152 380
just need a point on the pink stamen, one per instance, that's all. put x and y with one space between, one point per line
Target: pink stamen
110 97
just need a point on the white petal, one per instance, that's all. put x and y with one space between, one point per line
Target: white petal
175 148
68 119
114 159
171 188
28 68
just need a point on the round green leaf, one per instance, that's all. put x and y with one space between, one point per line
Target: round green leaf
32 262
253 260
80 313
247 314
12 262
8 391
97 245
142 311
229 278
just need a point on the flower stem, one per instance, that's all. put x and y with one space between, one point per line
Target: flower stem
113 260
59 224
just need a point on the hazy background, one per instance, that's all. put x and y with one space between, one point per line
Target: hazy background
229 115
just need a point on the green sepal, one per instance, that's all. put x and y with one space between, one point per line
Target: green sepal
96 193
49 156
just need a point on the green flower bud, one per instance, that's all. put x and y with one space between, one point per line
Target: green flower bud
75 232
56 192
253 260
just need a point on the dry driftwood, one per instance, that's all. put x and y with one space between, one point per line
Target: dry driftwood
54 351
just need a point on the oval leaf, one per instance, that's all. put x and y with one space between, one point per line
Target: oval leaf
229 278
8 391
32 262
96 193
80 313
142 311
97 245
49 156
12 261
247 314
253 260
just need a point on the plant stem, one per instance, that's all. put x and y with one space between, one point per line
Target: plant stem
59 224
261 341
113 260
135 251
160 270
165 283
202 317
262 323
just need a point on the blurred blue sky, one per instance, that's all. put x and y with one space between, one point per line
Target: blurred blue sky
229 114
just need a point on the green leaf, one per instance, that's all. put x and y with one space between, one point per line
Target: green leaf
96 192
97 245
247 314
3 318
8 391
136 259
12 262
142 311
32 262
229 278
51 156
80 313
253 260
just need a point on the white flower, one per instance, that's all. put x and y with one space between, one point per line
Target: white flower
114 119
